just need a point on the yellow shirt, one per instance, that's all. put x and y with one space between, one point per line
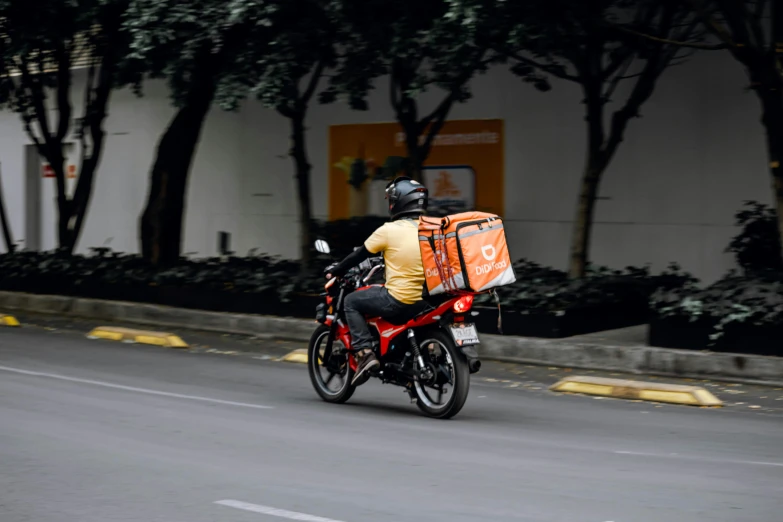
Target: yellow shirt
399 242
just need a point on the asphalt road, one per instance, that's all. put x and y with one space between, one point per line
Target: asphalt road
95 431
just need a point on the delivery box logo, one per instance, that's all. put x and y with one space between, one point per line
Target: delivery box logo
489 252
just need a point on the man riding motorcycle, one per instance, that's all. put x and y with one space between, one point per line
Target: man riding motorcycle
402 296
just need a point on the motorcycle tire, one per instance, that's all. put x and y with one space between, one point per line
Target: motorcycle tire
461 377
340 396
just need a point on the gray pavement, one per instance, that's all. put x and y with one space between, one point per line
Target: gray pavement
95 431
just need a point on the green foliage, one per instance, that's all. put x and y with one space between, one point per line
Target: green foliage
215 282
43 39
263 282
289 40
345 234
41 43
358 173
545 289
419 44
183 42
757 246
393 166
584 41
598 45
753 300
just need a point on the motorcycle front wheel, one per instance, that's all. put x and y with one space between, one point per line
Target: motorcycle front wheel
444 395
332 381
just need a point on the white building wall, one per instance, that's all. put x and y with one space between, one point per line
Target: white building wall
670 194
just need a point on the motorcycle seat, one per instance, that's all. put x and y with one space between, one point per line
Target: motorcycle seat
421 308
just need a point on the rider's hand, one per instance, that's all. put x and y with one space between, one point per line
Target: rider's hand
328 271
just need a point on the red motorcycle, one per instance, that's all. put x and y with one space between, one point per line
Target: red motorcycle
430 355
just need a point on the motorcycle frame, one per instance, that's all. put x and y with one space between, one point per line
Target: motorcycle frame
387 332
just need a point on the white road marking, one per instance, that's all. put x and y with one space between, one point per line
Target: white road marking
273 512
134 389
691 457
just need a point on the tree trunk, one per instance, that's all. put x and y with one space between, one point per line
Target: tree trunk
412 149
594 167
81 200
772 118
95 114
583 222
302 167
57 162
9 240
161 222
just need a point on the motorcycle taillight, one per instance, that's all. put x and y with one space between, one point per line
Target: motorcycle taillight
463 304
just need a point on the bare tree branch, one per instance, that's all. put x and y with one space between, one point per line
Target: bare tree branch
26 121
63 59
286 111
83 124
754 22
394 91
641 92
712 24
760 6
442 108
405 107
88 93
620 61
32 84
547 68
95 115
27 118
776 33
670 53
458 82
692 45
313 83
679 59
619 76
439 117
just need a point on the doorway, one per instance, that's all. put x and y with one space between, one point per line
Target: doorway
41 197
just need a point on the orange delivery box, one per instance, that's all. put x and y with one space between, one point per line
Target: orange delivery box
465 253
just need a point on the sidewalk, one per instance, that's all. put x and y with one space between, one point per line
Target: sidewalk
614 351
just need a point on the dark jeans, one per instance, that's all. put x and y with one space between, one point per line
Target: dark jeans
374 302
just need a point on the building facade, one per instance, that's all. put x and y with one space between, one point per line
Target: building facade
683 170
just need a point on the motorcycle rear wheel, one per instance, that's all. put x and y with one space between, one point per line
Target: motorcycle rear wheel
446 354
339 368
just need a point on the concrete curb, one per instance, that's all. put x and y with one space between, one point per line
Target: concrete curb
547 352
155 315
637 390
131 335
296 356
8 320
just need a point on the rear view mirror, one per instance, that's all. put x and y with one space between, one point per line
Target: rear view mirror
322 246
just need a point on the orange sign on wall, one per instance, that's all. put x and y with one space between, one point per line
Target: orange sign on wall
465 165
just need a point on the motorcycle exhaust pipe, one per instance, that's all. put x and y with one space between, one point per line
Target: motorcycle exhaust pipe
474 364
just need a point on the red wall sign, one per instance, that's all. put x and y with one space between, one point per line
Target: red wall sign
48 172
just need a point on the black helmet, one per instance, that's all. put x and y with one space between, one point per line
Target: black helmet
406 196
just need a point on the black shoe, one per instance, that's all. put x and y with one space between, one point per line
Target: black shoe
366 362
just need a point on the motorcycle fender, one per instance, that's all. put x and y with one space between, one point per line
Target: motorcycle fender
472 356
470 352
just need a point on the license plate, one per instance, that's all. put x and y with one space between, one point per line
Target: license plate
464 333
